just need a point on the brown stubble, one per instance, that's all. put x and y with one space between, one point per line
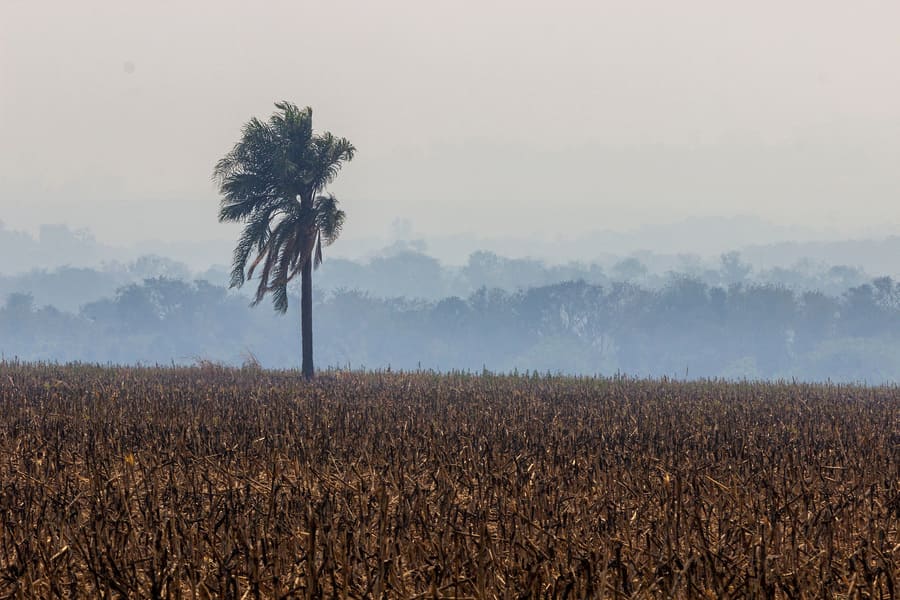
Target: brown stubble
210 482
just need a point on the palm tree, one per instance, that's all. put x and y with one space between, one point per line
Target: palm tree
273 181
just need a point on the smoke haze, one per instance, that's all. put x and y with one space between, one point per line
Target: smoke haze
481 118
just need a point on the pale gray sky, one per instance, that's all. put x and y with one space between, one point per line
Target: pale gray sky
498 118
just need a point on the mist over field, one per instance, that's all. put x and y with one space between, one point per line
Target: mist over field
691 190
737 314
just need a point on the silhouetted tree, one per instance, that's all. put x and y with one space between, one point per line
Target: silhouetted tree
734 270
273 182
629 269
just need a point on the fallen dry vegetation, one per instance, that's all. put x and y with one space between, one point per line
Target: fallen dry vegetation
214 483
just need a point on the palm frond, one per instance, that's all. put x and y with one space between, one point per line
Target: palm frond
252 150
254 235
243 194
329 218
268 256
319 258
280 298
288 257
330 153
268 262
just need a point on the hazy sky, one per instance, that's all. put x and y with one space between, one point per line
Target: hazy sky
497 118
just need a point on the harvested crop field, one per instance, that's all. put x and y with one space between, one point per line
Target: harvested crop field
216 483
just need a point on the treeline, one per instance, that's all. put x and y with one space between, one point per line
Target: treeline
409 272
405 271
684 328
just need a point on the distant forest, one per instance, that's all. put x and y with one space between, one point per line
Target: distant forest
405 310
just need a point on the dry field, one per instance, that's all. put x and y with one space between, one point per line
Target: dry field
214 483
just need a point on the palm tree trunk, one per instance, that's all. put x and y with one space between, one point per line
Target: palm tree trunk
306 318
